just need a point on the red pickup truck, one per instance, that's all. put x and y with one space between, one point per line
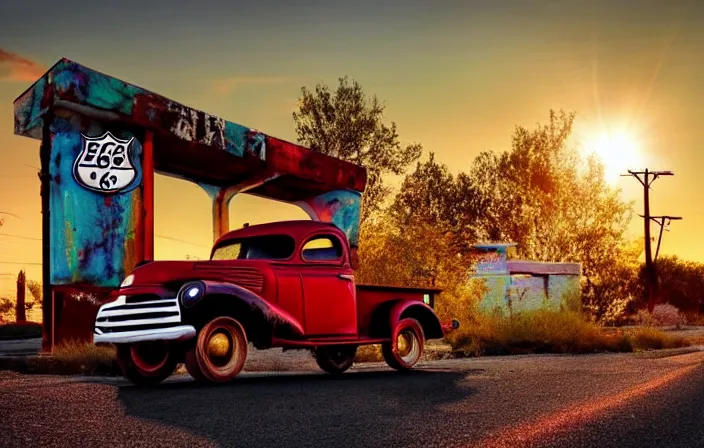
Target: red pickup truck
285 284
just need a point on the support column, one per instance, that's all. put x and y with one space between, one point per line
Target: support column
148 191
222 196
47 295
221 212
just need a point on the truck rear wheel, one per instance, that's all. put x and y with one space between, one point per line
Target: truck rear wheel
146 363
335 359
219 353
406 345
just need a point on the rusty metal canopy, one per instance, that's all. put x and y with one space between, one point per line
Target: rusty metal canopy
188 143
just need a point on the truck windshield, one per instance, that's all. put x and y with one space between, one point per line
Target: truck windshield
268 247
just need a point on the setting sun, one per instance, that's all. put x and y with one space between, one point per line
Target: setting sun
619 151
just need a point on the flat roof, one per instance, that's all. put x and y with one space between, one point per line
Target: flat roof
188 143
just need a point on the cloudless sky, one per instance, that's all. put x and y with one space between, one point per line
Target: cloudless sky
457 76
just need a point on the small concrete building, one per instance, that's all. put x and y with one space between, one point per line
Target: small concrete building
521 285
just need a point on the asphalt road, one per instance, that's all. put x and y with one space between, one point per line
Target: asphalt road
573 401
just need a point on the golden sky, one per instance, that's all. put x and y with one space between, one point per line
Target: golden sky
456 76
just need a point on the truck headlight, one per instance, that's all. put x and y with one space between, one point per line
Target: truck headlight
191 293
127 281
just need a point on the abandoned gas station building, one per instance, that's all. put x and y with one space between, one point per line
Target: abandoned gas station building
102 140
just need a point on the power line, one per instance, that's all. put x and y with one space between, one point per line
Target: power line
181 241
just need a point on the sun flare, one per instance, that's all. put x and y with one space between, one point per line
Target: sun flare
618 151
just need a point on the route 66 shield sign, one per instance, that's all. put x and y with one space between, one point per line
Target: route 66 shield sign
104 164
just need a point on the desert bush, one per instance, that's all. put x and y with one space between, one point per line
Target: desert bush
668 315
694 319
680 283
539 331
461 302
653 339
663 315
643 318
548 331
6 306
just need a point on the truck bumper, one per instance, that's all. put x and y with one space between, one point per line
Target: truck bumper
132 320
180 333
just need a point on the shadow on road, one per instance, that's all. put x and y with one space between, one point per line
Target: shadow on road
378 408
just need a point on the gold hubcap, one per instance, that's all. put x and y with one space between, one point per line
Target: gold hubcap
403 345
218 345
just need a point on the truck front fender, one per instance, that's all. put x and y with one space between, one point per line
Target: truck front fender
419 311
228 298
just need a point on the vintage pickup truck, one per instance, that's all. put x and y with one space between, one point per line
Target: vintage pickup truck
284 284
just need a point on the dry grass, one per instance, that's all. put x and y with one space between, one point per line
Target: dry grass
653 339
369 353
74 357
76 352
552 332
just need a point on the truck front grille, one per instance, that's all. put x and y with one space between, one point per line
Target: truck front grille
123 316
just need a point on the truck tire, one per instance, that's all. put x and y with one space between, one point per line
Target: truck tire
406 345
219 353
335 359
146 363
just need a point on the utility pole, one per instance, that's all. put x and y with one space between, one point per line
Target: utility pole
663 221
650 274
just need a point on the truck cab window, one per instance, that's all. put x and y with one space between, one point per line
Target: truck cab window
269 247
322 248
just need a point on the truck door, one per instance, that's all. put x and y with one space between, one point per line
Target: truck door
329 294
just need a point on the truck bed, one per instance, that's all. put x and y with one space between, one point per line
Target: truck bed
370 297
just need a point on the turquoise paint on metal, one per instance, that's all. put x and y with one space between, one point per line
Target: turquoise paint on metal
211 190
340 207
235 138
93 88
89 229
29 109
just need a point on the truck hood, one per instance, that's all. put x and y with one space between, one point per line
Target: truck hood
246 273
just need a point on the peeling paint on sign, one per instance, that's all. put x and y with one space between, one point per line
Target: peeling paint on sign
94 237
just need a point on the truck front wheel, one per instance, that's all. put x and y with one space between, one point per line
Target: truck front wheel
219 353
146 363
406 345
335 359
